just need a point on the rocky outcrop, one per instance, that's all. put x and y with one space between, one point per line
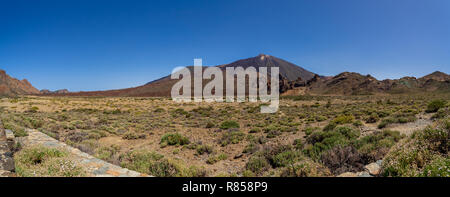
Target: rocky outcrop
370 170
11 87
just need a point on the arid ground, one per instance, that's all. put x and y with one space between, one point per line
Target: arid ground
309 136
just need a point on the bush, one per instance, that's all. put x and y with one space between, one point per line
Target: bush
149 162
435 105
250 148
257 164
255 130
325 140
130 135
298 144
424 153
231 137
173 139
373 118
343 119
216 158
341 159
41 161
306 168
229 125
285 158
202 149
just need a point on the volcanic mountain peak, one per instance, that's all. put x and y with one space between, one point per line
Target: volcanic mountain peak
288 70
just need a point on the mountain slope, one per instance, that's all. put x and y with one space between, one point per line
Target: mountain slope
348 83
163 86
10 86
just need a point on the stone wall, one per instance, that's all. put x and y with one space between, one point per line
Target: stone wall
93 166
6 152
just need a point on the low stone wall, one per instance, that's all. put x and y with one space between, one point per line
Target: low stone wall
94 167
6 152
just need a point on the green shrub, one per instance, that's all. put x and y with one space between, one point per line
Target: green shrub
257 164
173 139
298 144
216 158
202 149
325 140
439 167
231 137
435 105
343 119
210 125
149 162
41 161
229 125
285 158
250 148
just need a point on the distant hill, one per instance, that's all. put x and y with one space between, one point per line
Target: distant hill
11 87
349 83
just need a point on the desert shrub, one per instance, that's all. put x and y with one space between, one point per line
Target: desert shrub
77 136
373 118
148 162
250 148
255 130
439 167
216 158
33 109
330 126
425 153
435 105
257 164
325 140
40 161
210 124
163 168
108 153
441 113
386 122
373 147
343 119
18 131
342 159
202 149
204 111
310 130
180 112
284 159
306 168
173 139
273 134
229 125
131 135
298 144
357 123
231 137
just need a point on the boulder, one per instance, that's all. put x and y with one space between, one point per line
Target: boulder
373 168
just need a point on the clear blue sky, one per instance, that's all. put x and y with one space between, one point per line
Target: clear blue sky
99 45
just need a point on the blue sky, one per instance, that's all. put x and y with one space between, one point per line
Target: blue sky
99 45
